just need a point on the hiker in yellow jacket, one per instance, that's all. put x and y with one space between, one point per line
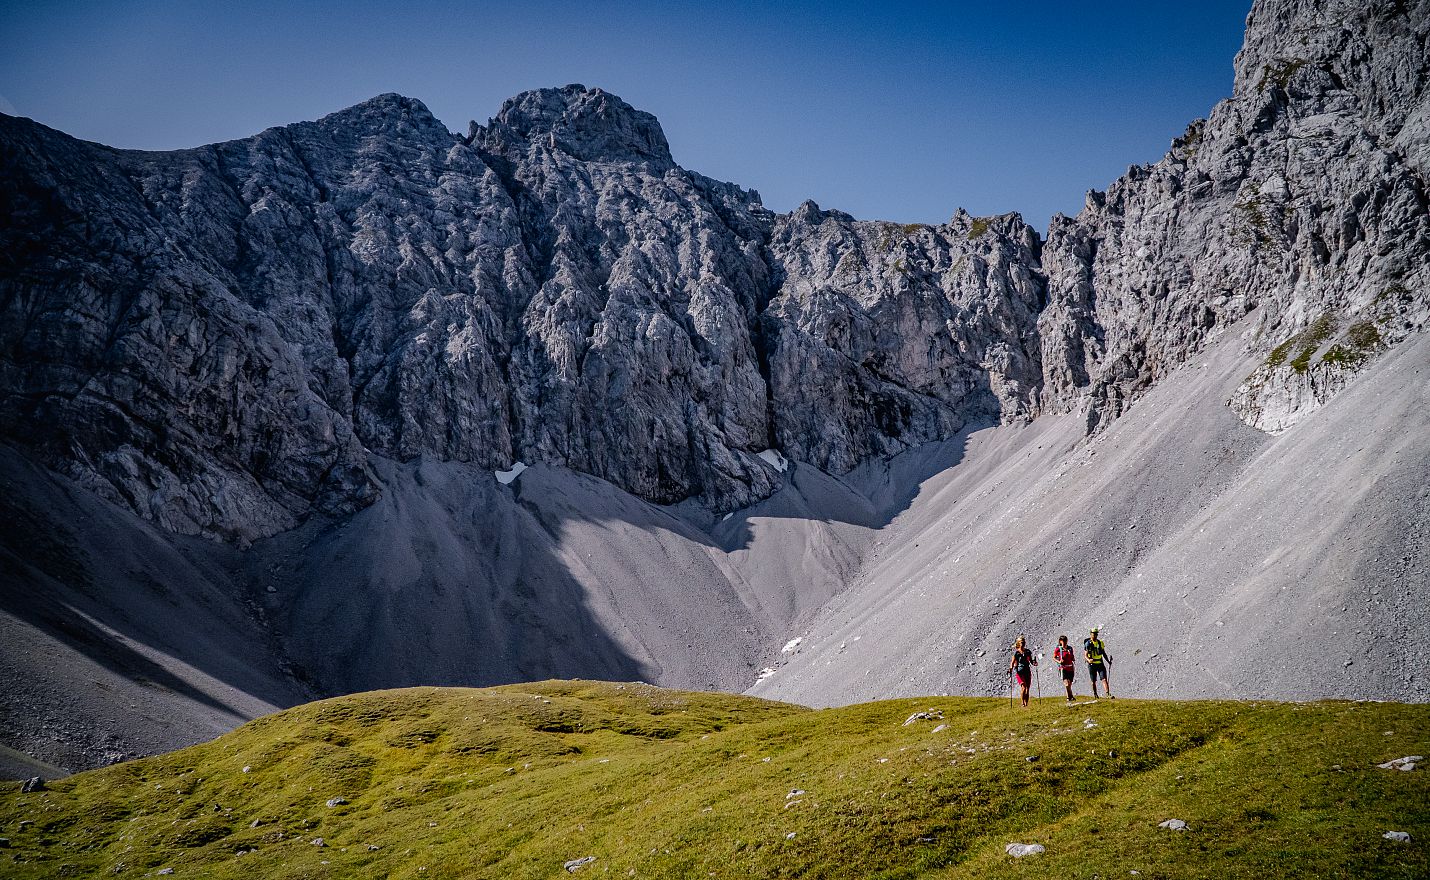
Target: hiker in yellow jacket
1097 662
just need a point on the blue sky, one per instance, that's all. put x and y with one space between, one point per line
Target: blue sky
900 112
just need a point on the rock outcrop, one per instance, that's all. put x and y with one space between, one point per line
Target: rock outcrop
1301 199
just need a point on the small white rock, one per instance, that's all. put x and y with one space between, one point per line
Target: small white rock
1018 850
789 836
1406 763
1398 836
575 865
1174 825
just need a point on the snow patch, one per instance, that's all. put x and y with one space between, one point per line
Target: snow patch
506 477
791 645
773 458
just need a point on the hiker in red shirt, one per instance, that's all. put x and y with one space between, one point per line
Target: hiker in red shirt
1067 661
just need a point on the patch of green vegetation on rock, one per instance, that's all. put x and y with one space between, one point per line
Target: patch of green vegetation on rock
1397 291
977 228
1364 335
1278 73
1187 144
515 781
1254 216
1304 344
1362 339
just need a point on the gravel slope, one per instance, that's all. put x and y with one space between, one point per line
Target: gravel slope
1220 561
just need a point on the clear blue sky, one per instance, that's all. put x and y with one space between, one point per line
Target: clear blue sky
901 112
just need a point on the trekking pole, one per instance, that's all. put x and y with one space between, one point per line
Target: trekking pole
1038 675
1010 688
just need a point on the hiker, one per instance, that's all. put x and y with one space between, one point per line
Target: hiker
1097 662
1020 666
1067 662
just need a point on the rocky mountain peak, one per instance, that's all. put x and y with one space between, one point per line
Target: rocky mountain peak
388 113
592 125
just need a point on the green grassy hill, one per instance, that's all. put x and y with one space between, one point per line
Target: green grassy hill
517 781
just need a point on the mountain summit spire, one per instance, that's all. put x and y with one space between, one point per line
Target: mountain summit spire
590 124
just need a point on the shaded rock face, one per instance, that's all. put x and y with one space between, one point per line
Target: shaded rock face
1302 198
220 338
898 334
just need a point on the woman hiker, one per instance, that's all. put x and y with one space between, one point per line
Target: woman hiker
1067 662
1020 666
1097 662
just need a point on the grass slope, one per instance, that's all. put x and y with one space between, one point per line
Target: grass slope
515 781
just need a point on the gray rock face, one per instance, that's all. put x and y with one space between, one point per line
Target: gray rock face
884 336
1302 199
218 338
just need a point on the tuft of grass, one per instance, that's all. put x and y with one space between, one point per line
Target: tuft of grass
515 781
1279 73
977 228
1255 217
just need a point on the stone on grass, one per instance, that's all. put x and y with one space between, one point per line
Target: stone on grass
574 865
930 715
1406 763
1018 850
34 783
1397 836
164 871
1174 825
336 802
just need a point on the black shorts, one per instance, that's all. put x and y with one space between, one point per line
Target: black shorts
1096 671
1068 672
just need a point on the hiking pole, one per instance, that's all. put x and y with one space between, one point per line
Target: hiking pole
1038 675
1010 688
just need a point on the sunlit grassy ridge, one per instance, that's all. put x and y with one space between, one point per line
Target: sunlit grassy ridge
516 781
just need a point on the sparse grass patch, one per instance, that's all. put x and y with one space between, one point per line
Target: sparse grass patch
977 228
514 781
1304 344
1279 73
1364 335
